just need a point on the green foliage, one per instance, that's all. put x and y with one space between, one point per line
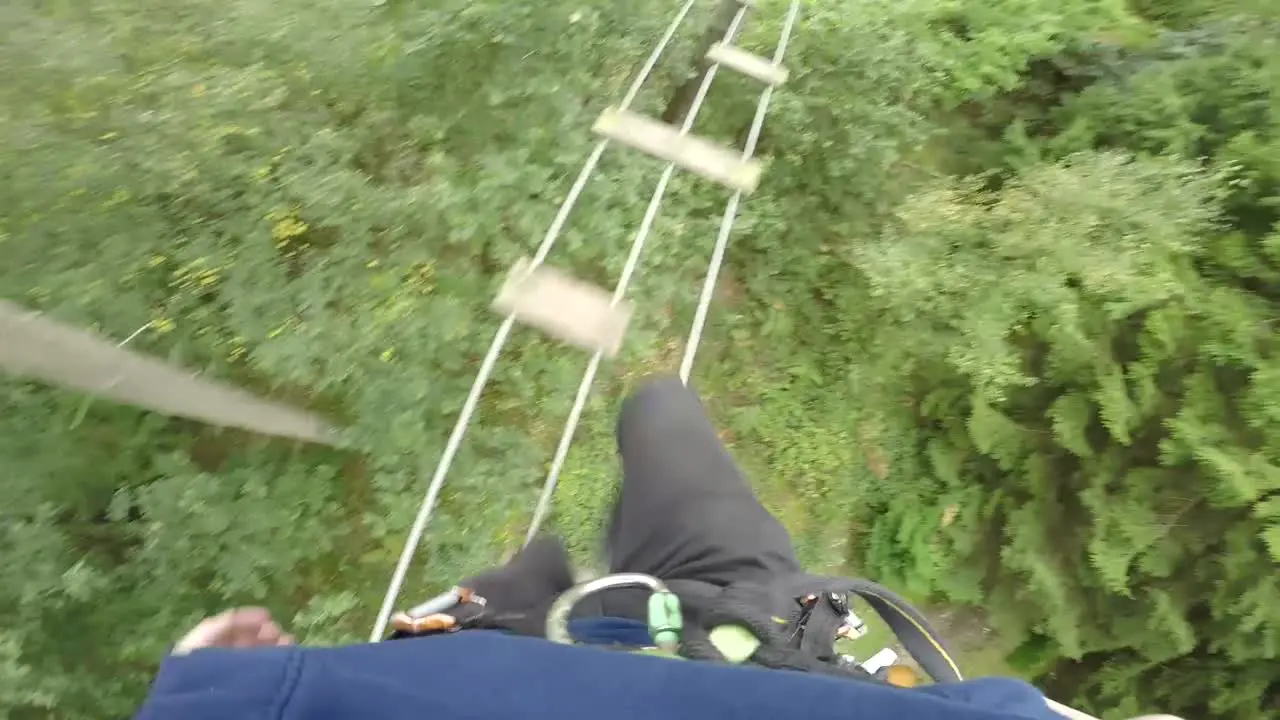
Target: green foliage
1111 317
313 202
998 327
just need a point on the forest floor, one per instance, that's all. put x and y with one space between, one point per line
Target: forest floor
977 650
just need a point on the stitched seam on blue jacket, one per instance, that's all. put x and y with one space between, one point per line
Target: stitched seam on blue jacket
292 676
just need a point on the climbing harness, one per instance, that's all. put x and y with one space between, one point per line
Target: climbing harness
740 631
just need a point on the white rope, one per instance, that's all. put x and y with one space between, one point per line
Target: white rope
731 208
499 340
619 291
133 335
88 399
584 388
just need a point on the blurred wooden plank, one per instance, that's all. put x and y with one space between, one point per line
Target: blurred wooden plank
748 64
702 157
564 307
37 346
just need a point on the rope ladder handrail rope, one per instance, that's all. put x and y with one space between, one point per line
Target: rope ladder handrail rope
731 208
500 339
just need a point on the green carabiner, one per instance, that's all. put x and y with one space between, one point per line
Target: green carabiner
665 620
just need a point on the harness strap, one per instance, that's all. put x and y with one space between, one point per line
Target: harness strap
774 647
808 643
910 627
803 641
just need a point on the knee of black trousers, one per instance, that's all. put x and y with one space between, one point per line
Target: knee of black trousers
656 392
663 386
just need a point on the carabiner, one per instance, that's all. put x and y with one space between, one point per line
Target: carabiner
664 616
439 614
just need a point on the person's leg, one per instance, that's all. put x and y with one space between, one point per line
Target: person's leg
685 512
686 515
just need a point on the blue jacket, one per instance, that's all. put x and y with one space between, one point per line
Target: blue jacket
479 675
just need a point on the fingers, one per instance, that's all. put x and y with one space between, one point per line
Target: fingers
204 634
237 628
247 627
269 634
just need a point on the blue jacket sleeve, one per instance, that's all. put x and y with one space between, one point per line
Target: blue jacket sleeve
489 675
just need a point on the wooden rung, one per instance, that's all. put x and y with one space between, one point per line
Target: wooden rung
564 307
698 156
747 63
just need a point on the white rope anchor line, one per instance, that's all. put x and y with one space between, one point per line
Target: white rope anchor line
88 399
731 208
637 245
500 339
133 335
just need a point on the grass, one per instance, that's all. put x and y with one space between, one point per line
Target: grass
978 652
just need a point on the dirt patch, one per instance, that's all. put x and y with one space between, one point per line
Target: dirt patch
729 291
964 629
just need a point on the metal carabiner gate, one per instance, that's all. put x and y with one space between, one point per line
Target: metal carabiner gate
665 620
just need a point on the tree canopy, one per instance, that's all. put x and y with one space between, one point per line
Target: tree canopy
998 329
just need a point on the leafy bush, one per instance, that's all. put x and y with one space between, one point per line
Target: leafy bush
1083 414
1073 370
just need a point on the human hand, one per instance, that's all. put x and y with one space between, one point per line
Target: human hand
235 628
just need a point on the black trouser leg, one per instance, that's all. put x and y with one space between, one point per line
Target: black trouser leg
684 510
685 513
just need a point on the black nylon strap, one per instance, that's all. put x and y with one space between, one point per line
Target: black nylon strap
740 605
743 605
910 627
